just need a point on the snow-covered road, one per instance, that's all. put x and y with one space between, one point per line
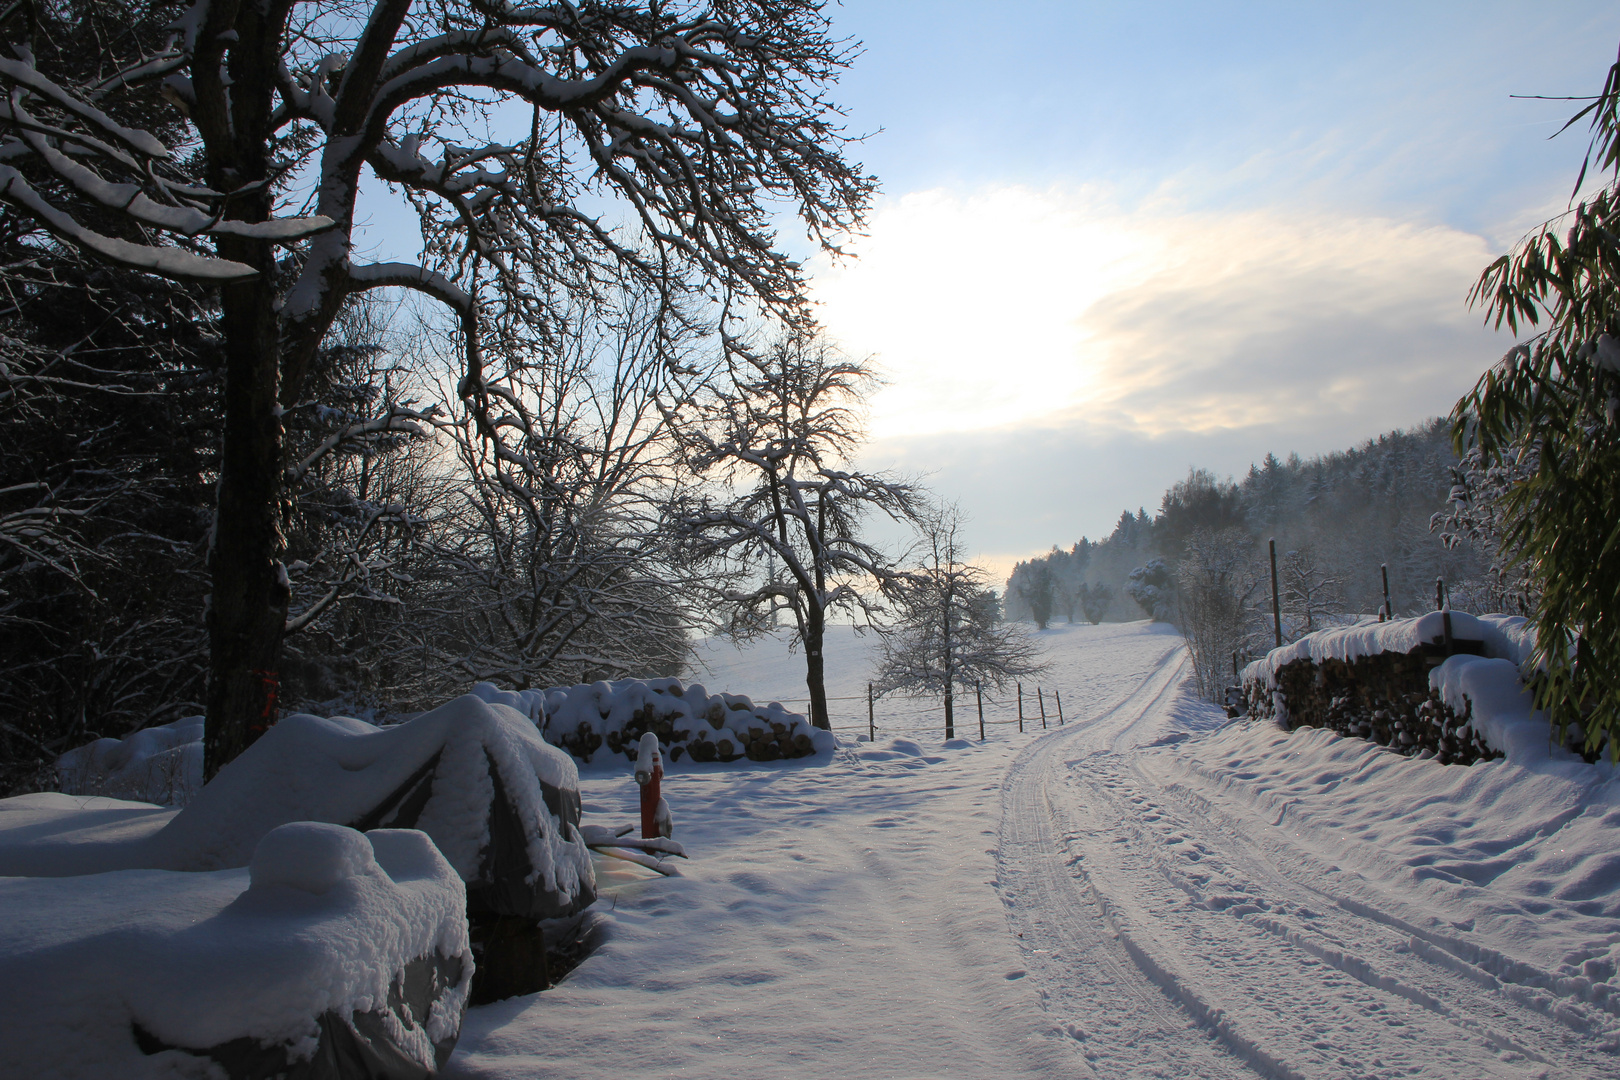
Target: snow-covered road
1142 892
1183 940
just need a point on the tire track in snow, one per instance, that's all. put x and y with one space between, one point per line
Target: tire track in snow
1092 986
1153 921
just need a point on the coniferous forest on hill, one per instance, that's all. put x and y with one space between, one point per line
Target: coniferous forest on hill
1402 502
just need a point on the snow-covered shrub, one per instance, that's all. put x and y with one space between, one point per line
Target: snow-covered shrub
160 765
1153 587
688 720
328 947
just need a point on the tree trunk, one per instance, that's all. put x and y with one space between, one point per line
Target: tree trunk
815 671
950 673
247 609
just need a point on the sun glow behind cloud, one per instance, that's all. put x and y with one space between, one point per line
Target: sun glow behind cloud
1014 307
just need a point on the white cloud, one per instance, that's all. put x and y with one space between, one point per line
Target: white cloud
1011 307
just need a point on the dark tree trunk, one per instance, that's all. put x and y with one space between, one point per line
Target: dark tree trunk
950 670
815 670
247 609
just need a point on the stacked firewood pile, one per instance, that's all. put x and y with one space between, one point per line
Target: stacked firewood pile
1384 697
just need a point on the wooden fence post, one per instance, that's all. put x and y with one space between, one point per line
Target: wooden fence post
1276 606
1059 695
1389 611
1041 698
1020 708
978 689
871 722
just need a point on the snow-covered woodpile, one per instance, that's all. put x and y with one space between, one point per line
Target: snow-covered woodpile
688 720
1395 683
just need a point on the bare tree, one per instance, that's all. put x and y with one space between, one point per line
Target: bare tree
1215 582
778 524
948 632
557 568
232 154
1311 591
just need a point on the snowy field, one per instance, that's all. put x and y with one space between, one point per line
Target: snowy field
1144 891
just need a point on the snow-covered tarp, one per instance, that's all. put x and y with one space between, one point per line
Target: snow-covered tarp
500 803
161 764
686 718
330 949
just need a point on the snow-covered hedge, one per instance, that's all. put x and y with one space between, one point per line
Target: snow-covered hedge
329 946
687 720
1403 684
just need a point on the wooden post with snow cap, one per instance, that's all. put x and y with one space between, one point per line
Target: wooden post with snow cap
655 819
978 690
1439 594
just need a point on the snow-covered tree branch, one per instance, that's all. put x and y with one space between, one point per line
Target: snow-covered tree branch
227 144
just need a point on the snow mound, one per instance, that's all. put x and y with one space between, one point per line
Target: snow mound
498 800
1491 693
686 718
148 973
49 834
160 765
310 856
500 803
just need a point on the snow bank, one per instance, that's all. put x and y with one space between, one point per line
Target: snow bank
327 935
160 765
54 835
687 719
1509 865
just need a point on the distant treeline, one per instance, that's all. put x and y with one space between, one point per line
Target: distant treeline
1336 519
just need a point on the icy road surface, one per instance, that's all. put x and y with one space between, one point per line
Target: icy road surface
1143 891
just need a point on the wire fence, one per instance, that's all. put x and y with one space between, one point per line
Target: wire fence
1034 707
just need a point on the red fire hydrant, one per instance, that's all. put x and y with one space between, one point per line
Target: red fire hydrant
655 819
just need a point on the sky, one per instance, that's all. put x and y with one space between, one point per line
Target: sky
1116 241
